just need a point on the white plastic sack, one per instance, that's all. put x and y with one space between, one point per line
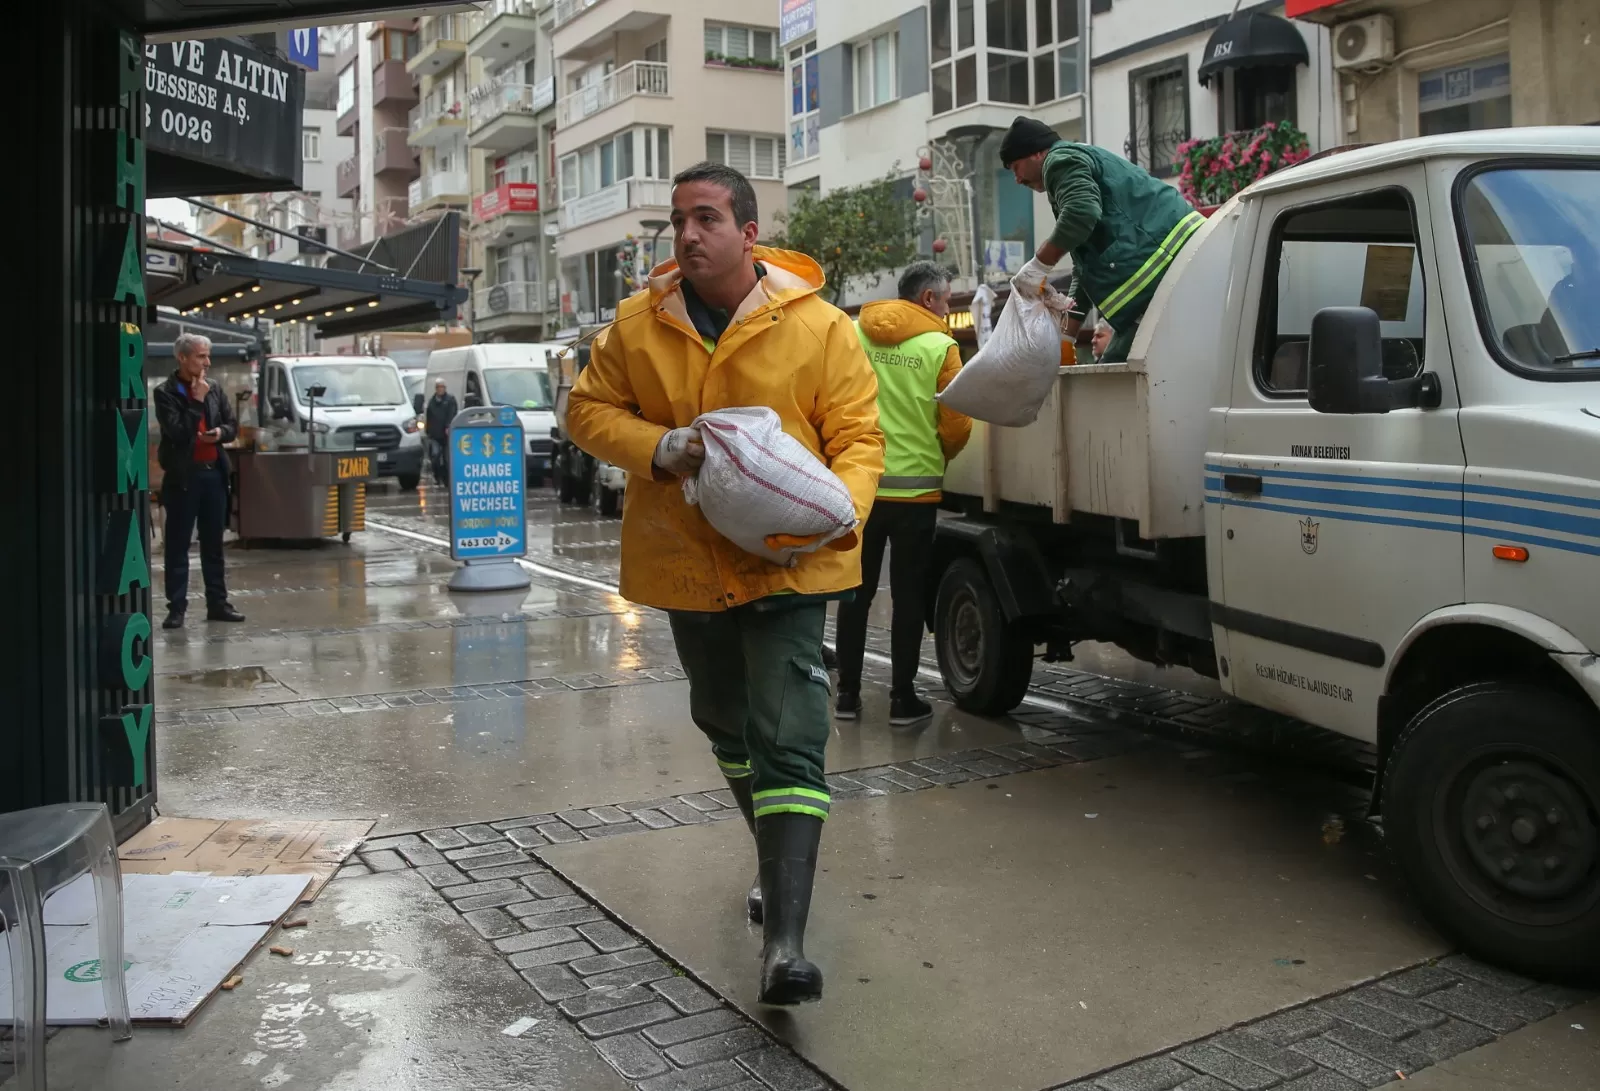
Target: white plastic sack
1007 382
757 480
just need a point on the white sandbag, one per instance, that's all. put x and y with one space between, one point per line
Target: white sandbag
757 480
1007 382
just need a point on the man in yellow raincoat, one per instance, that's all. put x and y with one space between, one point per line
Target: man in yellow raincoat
726 324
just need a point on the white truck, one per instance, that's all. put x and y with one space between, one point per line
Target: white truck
363 404
513 374
1351 469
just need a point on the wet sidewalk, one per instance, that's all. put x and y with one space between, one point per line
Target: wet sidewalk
1125 885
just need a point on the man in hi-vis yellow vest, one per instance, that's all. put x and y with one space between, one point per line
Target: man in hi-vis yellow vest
915 357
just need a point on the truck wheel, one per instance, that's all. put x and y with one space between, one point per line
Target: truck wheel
986 663
1491 813
409 481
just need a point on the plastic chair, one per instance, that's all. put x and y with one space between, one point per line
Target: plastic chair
41 851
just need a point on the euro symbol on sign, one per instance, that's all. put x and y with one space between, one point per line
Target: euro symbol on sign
465 443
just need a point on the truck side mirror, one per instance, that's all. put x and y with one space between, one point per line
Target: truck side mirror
1345 362
417 404
472 400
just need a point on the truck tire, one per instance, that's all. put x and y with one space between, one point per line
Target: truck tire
409 481
1491 814
986 662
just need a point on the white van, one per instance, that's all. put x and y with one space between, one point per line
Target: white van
363 404
506 374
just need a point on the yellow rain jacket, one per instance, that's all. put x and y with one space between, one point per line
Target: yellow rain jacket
650 371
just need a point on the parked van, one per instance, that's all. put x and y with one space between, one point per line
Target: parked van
507 374
363 404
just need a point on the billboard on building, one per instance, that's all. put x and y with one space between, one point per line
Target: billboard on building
796 19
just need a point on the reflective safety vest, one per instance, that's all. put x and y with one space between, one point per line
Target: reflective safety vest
908 378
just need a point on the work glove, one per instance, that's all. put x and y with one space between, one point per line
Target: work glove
1031 278
1058 303
680 452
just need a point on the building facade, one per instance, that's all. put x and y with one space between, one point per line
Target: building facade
375 92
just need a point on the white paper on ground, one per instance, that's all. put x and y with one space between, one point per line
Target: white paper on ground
180 939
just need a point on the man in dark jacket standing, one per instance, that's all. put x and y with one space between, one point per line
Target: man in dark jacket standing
436 426
195 420
1122 226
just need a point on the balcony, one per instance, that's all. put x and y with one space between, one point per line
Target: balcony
504 116
639 78
441 42
504 29
346 115
614 200
586 29
512 303
506 213
392 154
392 85
347 176
568 10
439 119
439 189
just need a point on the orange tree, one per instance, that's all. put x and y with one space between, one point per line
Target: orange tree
853 232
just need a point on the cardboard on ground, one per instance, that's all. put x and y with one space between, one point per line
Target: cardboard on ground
243 847
182 936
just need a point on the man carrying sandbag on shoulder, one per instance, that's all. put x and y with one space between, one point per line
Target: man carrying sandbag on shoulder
729 324
915 357
1122 226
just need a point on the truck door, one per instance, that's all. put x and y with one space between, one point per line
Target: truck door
1338 531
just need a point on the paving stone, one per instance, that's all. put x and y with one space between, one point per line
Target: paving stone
477 834
578 820
642 974
1496 978
533 941
1204 1083
608 936
1156 1074
595 1001
723 816
557 834
611 816
490 901
720 1047
1390 1054
1413 1012
1559 996
492 886
500 859
630 1018
781 1070
380 843
705 1077
384 860
1443 1042
632 1056
443 875
701 802
420 854
1264 1053
1526 1006
519 823
611 831
1368 1018
492 923
724 797
695 1026
600 964
539 906
683 813
685 995
546 885
582 914
526 838
549 956
1291 1026
1322 1081
1224 1065
1330 1054
652 819
508 871
478 852
1418 982
554 982
1477 1004
353 871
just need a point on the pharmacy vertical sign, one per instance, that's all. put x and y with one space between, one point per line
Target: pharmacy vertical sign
488 518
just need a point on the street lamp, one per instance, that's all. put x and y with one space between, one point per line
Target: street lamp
472 274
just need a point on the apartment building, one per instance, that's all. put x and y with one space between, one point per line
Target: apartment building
645 89
436 127
375 94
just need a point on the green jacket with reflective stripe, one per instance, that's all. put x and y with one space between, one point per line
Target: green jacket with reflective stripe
1122 226
908 378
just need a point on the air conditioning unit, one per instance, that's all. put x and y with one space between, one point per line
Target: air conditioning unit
1363 42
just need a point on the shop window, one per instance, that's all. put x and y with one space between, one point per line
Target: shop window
751 155
805 103
875 68
1159 110
1459 97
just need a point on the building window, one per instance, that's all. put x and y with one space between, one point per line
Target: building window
735 43
1158 100
875 71
614 160
1030 52
805 103
521 167
347 90
1474 95
311 145
953 51
656 52
751 155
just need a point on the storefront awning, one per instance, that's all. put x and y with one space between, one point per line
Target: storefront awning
1257 40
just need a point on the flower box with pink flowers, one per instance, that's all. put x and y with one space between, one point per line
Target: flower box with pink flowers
1212 171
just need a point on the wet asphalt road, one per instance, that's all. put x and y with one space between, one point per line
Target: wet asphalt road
1132 893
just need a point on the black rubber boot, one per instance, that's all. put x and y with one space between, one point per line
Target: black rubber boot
741 788
787 846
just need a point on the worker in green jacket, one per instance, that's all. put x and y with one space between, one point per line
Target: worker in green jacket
1122 226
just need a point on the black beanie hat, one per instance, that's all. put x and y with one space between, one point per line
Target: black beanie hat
1025 137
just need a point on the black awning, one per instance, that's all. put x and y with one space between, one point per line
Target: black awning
1257 40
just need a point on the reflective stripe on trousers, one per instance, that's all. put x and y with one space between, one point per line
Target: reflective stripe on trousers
1153 266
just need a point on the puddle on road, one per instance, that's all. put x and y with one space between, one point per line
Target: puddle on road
239 679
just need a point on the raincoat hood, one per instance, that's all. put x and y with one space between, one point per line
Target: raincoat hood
789 275
891 321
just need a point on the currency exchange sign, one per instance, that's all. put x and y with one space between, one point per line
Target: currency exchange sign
487 479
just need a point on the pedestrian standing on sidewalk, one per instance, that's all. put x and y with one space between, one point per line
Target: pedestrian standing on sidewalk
440 413
914 357
195 420
724 324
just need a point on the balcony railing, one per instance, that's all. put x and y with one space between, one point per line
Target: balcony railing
509 297
439 183
614 200
347 175
567 10
476 21
433 109
638 78
489 100
444 28
391 152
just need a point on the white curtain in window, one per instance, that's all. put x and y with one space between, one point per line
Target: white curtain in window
738 42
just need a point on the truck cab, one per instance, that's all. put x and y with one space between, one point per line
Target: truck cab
363 404
1351 469
511 374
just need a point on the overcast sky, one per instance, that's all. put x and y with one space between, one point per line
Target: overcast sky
173 210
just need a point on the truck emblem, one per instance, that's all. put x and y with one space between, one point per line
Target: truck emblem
1308 534
369 435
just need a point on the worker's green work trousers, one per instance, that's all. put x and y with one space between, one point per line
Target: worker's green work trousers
758 689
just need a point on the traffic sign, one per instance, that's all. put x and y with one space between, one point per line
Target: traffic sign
487 479
303 47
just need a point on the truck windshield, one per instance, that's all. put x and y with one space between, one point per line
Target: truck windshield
350 384
1535 239
523 387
